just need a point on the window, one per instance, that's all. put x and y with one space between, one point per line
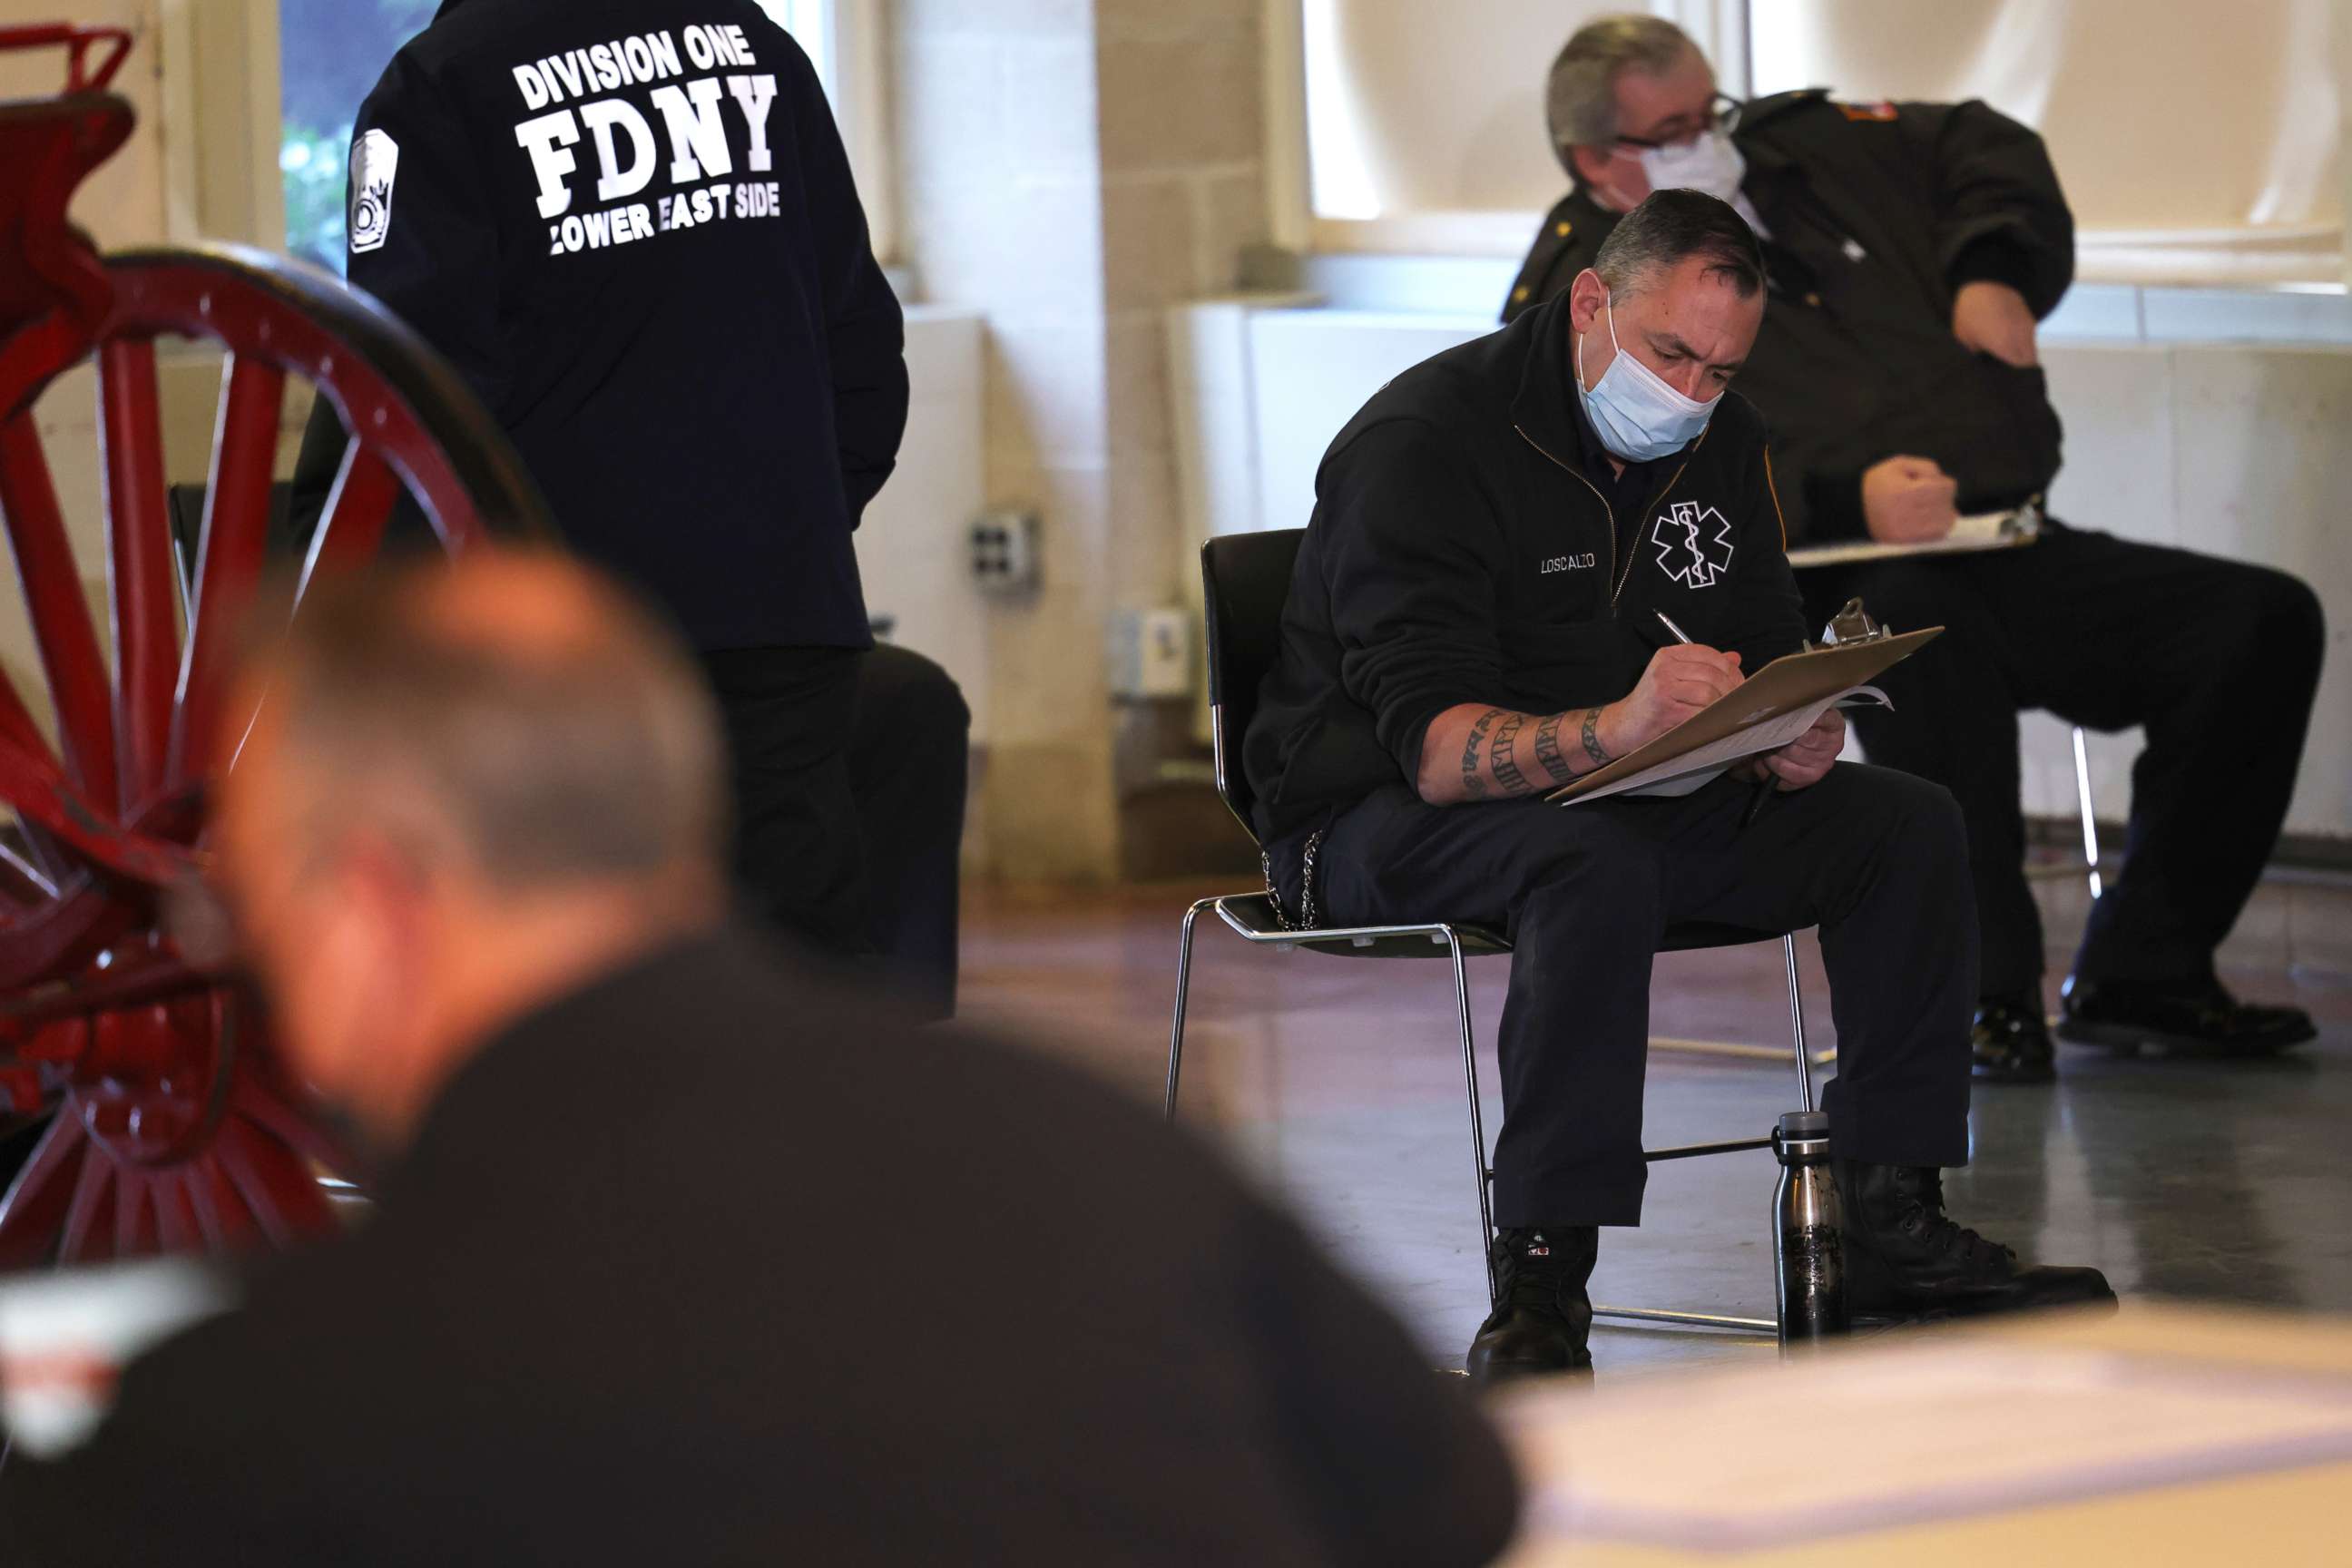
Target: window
330 54
332 51
2213 158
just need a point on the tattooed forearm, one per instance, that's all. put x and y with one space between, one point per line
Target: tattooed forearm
1472 784
1507 776
1547 750
1593 738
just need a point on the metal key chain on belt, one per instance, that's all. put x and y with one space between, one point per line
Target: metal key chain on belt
1307 918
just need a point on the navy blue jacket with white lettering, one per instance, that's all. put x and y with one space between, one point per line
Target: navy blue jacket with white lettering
631 225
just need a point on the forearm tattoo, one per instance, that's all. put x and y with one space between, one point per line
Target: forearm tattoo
1547 750
1472 784
1593 738
1508 777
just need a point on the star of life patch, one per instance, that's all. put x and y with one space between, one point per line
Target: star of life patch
375 160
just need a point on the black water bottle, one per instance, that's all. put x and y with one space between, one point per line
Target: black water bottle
1806 1231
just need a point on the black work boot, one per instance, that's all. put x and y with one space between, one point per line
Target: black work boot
1905 1257
2199 1019
2010 1043
1541 1314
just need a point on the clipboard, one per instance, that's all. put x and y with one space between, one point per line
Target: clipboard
1711 740
1985 530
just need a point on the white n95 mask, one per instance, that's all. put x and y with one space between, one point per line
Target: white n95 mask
1707 162
1638 417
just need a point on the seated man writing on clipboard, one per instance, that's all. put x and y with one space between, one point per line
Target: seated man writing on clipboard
1474 622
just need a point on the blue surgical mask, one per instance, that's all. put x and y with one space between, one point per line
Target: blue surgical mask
1639 416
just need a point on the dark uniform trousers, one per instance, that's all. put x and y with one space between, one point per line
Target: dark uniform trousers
799 858
910 767
2218 660
1588 894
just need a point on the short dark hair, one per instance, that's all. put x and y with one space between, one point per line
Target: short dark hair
538 767
1670 227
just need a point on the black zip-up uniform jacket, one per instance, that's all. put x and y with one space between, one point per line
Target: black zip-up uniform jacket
1459 552
1878 213
672 307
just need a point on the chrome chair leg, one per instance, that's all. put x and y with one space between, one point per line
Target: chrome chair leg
1477 1115
2090 819
1184 984
1797 1024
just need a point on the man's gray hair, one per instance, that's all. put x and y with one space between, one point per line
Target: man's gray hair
532 764
1581 100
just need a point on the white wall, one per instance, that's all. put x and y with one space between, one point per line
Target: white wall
911 547
2234 449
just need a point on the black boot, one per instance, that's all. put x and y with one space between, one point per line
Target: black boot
2202 1019
2011 1044
1541 1315
1905 1257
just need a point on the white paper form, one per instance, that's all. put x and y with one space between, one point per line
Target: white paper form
1979 531
1696 769
1733 1461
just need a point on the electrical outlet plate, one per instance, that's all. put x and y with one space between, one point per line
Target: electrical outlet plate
1150 654
1003 551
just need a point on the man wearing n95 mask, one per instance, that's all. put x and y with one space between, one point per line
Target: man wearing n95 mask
1475 619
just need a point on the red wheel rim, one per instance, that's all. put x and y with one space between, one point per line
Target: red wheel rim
171 1126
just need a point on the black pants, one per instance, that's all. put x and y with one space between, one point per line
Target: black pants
1588 894
2218 660
909 767
799 858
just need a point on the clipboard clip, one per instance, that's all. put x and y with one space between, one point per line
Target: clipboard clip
1851 624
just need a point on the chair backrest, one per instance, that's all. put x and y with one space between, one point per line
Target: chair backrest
1244 578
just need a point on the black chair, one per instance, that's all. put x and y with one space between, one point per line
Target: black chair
1245 578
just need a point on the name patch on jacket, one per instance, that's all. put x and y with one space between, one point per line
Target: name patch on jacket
691 156
1694 542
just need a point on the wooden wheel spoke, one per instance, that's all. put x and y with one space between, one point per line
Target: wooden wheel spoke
92 1209
134 1212
278 1191
175 1215
60 617
306 1139
351 531
32 782
140 573
230 555
220 1212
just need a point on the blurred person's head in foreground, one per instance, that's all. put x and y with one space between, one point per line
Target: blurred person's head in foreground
470 789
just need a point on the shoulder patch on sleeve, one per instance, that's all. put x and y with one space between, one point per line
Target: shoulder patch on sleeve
1881 110
375 161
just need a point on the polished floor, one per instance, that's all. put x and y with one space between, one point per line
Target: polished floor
1339 1083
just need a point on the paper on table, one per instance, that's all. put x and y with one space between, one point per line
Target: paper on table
1695 770
1734 1461
65 1337
1981 531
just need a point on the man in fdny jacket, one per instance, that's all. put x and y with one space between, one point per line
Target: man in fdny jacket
1478 616
1911 249
631 225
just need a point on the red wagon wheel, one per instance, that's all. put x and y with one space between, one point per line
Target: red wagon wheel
167 1125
